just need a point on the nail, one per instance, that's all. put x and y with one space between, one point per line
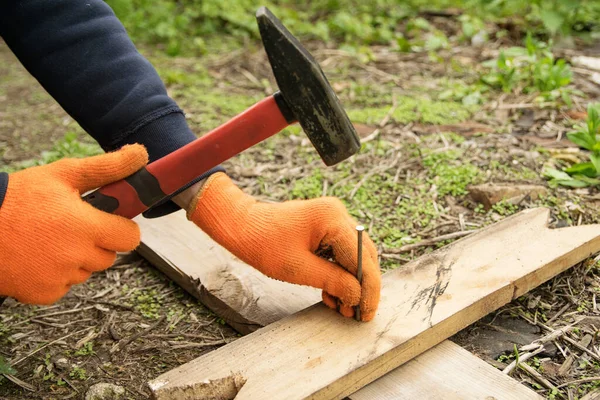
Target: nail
359 272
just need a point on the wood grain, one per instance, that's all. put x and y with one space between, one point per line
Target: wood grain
319 355
188 255
449 372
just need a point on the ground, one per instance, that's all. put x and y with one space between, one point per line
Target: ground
431 130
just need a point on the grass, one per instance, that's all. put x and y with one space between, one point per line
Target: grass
414 109
449 173
71 145
196 27
585 135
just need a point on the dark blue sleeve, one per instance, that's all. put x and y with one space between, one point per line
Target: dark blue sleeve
81 54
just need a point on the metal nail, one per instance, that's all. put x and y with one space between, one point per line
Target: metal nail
359 272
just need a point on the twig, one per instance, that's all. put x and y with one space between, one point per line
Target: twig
382 123
61 325
553 335
185 335
55 313
394 257
196 345
578 381
580 347
558 314
564 337
50 344
118 346
371 173
19 382
543 381
429 242
593 395
522 358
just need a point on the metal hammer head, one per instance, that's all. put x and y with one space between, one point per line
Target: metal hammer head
307 92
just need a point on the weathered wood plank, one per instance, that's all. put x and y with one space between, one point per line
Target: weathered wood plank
449 372
317 354
186 254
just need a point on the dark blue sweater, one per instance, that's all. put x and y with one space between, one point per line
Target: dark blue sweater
81 54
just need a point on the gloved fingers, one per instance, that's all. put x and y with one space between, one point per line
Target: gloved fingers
93 172
333 303
346 311
99 260
112 232
371 291
343 240
316 272
41 297
80 275
329 300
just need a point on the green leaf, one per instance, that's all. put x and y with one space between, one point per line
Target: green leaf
563 179
552 20
586 179
555 174
595 158
593 120
5 367
582 139
587 169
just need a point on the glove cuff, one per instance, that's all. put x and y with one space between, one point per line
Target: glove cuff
215 192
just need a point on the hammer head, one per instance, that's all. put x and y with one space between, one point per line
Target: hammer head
307 92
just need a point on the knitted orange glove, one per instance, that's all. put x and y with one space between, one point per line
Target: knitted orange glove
280 240
50 238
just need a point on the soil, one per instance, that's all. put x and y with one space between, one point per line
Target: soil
409 183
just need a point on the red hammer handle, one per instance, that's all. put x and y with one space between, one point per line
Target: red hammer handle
135 194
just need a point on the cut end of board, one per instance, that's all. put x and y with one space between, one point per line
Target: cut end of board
222 389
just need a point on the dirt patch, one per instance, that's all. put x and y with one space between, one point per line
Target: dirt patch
125 326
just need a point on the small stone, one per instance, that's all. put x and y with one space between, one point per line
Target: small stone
490 194
105 391
61 363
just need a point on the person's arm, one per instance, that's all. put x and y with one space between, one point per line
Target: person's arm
82 55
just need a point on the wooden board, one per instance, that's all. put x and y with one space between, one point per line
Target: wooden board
186 254
448 372
317 354
242 296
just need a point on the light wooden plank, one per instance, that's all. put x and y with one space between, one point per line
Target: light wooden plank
242 296
449 372
319 355
188 255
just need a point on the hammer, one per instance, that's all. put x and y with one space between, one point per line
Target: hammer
305 96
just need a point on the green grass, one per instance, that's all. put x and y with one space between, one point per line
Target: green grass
69 146
450 173
414 109
198 26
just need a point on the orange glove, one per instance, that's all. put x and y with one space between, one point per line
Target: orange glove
50 238
280 240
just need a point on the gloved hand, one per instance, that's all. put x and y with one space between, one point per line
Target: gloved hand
280 240
50 238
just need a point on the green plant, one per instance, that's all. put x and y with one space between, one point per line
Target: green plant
587 136
5 367
504 75
78 373
86 350
532 68
505 208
